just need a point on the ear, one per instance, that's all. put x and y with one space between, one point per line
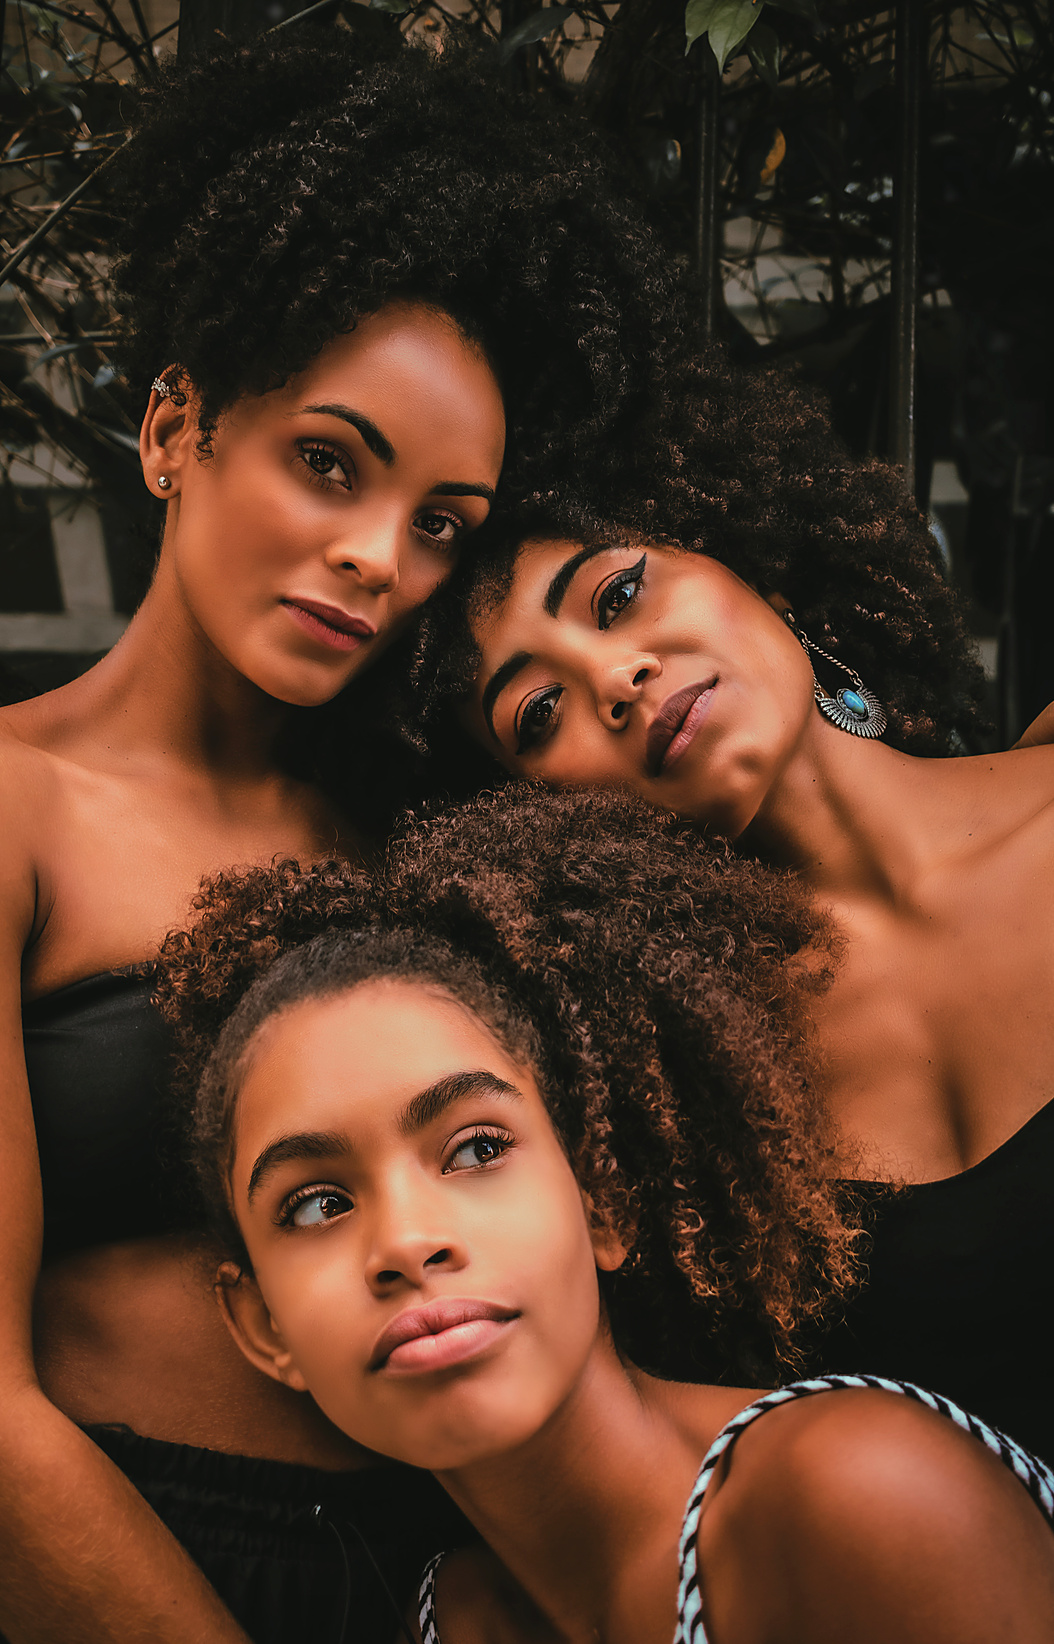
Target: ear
250 1323
167 437
610 1247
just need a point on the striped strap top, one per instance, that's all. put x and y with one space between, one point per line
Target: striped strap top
1037 1478
1034 1475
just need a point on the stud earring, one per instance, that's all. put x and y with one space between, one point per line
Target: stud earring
856 710
163 482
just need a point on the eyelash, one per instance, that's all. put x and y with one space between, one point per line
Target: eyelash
601 604
529 735
303 1195
483 1133
318 448
459 525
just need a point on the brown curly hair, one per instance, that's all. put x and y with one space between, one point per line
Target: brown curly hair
744 466
657 988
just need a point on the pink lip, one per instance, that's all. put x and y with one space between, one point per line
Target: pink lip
329 624
676 723
440 1334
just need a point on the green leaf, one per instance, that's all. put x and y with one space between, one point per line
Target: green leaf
535 27
398 6
799 8
763 49
726 23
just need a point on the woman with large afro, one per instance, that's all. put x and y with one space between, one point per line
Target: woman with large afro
753 630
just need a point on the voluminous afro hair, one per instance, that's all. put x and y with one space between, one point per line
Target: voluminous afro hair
656 987
743 465
278 191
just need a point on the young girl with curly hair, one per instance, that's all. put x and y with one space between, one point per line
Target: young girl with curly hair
710 635
508 1136
350 292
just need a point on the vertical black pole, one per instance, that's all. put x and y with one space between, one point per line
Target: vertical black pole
705 249
912 45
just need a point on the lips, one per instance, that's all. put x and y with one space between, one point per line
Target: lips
440 1334
329 624
676 723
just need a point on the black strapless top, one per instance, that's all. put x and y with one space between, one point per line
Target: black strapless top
960 1295
97 1056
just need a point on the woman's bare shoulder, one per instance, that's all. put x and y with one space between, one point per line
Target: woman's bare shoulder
860 1502
30 779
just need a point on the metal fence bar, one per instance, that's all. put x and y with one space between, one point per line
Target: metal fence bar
705 258
912 41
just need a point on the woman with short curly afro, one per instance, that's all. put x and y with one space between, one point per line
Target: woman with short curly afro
505 1139
710 634
351 294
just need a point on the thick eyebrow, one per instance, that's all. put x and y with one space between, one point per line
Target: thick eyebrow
427 1105
309 1144
497 683
454 488
566 574
372 438
419 1111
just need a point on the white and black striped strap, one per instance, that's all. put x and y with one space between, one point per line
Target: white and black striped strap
1035 1475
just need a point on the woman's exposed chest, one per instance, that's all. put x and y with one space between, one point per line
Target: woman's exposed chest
119 861
937 1035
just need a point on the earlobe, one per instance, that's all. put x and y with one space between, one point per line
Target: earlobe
250 1323
609 1250
610 1247
168 427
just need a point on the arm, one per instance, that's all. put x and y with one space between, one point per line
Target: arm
874 1519
82 1557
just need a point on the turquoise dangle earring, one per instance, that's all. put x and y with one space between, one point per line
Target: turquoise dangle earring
854 708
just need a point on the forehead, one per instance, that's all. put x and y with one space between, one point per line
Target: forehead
365 1050
408 367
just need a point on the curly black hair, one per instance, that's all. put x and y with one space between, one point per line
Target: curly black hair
656 986
743 465
275 192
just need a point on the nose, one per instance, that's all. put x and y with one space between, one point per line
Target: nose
370 550
621 685
411 1238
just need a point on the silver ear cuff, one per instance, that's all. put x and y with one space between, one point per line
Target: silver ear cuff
167 392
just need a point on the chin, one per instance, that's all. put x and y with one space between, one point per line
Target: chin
471 1431
303 690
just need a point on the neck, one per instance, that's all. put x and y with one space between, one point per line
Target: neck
858 818
165 695
574 1513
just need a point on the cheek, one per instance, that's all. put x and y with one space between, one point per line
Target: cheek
421 572
318 1299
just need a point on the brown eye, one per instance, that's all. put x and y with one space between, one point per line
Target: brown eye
323 1205
442 529
539 719
619 593
477 1151
326 465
